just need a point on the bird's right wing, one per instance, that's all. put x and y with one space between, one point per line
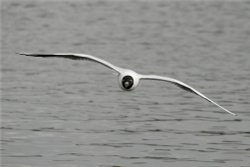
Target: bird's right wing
76 56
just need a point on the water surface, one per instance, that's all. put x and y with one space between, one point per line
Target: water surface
59 112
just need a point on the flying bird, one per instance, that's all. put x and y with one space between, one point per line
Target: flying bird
128 79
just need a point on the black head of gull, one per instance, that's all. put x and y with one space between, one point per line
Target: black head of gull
127 82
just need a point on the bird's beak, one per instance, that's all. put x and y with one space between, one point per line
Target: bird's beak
126 84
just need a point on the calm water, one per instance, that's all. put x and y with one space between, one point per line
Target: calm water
65 113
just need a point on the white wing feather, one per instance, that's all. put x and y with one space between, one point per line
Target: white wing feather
183 86
76 56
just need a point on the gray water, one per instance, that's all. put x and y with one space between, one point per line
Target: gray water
65 113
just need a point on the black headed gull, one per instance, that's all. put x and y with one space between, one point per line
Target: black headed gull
128 79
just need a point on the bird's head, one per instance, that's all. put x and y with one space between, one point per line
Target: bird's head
127 82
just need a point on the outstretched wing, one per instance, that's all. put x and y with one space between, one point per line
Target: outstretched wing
76 56
183 86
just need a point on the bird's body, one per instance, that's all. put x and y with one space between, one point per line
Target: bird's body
128 79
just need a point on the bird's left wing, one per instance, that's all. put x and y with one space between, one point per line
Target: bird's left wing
183 86
76 56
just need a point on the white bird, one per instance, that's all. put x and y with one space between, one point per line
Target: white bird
128 79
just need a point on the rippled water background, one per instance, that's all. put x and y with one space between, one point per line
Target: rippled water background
65 113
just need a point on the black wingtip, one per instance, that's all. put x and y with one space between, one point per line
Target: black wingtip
28 54
22 54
